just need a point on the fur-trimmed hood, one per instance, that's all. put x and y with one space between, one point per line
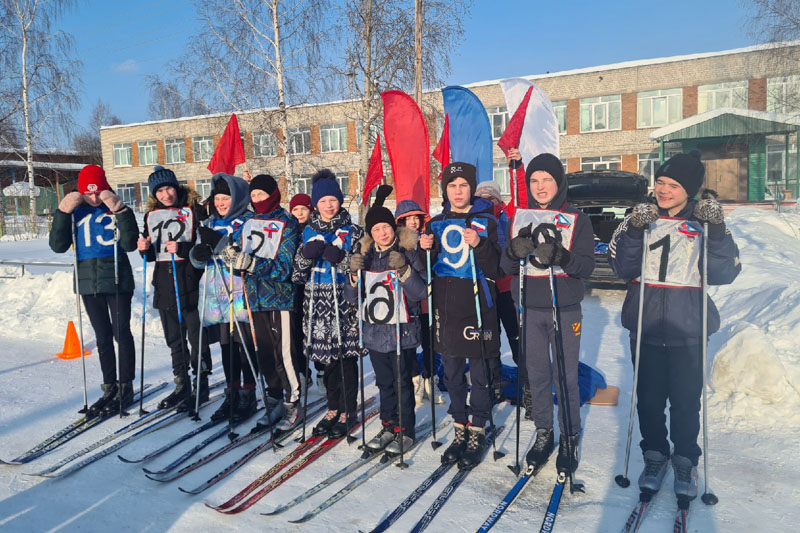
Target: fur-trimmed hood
186 198
405 238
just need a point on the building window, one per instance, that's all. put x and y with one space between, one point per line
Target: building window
601 113
148 154
776 169
333 137
127 193
502 177
122 155
203 148
658 108
144 191
175 150
606 162
718 95
649 163
564 164
498 118
374 130
302 184
560 109
264 144
300 140
203 188
783 94
343 178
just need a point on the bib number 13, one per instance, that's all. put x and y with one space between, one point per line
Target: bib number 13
85 224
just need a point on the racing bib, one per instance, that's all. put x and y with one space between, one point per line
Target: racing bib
673 253
380 306
171 224
565 222
94 232
453 258
262 238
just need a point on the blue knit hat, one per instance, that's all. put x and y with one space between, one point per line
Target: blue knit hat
324 183
161 177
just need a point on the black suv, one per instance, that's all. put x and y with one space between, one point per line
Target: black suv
606 196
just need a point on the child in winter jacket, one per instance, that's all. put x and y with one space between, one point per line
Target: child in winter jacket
465 250
170 225
228 211
321 264
87 219
392 286
264 249
571 258
670 358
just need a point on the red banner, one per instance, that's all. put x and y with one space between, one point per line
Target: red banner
442 151
374 172
229 151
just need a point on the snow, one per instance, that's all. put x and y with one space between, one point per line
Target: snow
754 421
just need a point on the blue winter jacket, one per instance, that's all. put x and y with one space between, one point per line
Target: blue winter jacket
671 316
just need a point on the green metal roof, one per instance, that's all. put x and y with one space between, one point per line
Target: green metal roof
727 123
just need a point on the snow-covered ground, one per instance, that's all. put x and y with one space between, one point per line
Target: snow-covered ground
754 421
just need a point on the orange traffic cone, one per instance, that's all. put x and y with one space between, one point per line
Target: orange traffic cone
72 346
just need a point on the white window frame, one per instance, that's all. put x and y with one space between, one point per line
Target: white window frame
735 91
647 102
602 162
343 179
560 110
302 184
123 155
127 193
203 188
265 144
647 164
303 135
333 138
171 146
564 161
603 104
783 94
202 148
501 176
144 191
498 120
374 130
148 153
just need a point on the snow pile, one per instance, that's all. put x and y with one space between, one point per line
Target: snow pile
756 365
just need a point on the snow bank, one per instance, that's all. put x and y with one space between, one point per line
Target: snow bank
756 365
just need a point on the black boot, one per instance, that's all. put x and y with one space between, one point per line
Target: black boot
324 426
542 448
224 410
476 444
203 387
246 405
109 391
126 391
565 463
183 390
339 429
456 449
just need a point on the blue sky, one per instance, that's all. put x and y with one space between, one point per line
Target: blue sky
502 38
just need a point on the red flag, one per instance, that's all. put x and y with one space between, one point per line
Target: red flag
442 151
406 137
229 152
513 133
374 172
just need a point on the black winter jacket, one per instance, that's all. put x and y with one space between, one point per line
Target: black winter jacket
671 316
96 275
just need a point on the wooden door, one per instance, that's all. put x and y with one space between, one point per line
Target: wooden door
722 175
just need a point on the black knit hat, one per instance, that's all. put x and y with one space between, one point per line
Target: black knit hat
548 163
686 169
377 213
264 182
455 170
220 187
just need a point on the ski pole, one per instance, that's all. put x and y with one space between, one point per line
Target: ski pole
85 409
350 438
142 412
396 289
122 412
361 359
231 433
310 313
708 497
435 443
622 479
196 416
497 455
180 314
521 310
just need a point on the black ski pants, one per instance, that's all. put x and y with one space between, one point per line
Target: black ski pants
175 335
237 369
673 373
385 366
102 310
344 400
456 382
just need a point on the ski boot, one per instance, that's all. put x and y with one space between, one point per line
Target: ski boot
292 416
246 405
456 449
182 391
125 391
109 392
272 416
345 421
203 387
324 426
541 449
393 448
383 438
656 466
565 463
224 410
476 444
685 478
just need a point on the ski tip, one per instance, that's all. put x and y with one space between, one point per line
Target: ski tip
153 478
301 520
622 481
435 444
124 460
709 498
188 491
